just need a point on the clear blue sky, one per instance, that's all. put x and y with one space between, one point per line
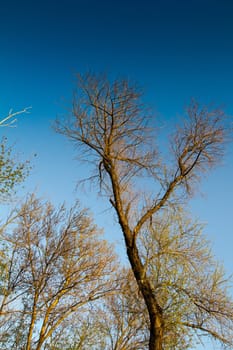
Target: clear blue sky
176 49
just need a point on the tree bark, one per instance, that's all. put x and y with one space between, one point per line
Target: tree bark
154 310
32 323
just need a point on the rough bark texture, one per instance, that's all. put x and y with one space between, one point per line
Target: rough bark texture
144 284
154 310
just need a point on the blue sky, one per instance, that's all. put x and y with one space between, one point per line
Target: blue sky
175 49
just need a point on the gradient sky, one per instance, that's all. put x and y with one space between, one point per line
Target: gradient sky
175 49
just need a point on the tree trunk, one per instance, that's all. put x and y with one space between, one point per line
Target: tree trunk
154 310
144 284
156 333
32 323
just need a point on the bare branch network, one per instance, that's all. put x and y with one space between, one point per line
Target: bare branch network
110 127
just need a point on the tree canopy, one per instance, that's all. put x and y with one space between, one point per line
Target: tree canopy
111 128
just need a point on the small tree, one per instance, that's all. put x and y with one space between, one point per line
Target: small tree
12 172
109 122
189 285
60 264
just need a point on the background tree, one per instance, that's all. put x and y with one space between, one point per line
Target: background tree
122 317
79 332
110 123
60 264
12 172
117 322
189 285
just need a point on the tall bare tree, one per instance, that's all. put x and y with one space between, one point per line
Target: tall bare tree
60 265
109 125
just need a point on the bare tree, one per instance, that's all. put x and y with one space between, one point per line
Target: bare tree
61 264
109 122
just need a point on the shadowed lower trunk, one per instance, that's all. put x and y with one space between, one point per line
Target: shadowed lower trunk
154 310
156 333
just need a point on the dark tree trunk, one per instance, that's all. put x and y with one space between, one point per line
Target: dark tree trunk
144 284
156 333
154 310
